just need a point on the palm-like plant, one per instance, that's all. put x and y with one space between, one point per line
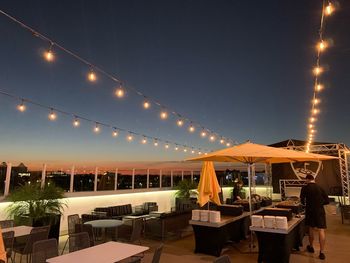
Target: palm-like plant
185 189
30 200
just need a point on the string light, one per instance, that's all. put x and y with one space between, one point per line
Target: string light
163 115
317 70
76 122
228 144
191 128
321 46
49 55
97 125
91 76
52 115
97 128
199 152
21 107
166 146
319 87
180 123
222 141
144 140
203 134
146 104
120 92
329 9
155 143
212 138
192 151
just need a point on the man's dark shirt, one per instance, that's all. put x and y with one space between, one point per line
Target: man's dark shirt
314 197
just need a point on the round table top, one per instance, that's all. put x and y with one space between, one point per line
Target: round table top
104 223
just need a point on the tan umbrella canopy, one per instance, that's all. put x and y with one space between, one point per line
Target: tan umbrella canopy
256 153
251 153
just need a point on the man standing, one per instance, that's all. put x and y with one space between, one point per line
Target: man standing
314 197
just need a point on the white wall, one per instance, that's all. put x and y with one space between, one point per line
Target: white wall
85 204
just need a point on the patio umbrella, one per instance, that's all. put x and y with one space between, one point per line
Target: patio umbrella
251 153
2 248
208 187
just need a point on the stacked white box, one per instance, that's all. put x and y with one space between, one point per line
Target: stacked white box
281 222
204 215
196 215
214 216
257 221
269 221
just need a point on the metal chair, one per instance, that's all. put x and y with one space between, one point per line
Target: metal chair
8 238
44 249
88 229
7 223
78 241
72 221
157 254
222 259
36 234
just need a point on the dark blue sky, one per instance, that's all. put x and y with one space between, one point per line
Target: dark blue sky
240 68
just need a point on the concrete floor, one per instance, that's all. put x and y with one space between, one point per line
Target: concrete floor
181 250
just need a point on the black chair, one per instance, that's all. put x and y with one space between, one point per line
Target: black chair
88 229
222 259
7 223
36 234
8 238
72 221
78 241
43 250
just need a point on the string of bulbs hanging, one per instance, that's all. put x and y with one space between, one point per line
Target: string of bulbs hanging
327 10
98 125
121 89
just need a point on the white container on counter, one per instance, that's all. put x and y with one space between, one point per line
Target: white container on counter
196 215
214 216
269 221
281 222
204 215
257 221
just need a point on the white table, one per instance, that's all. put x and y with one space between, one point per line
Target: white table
105 253
19 230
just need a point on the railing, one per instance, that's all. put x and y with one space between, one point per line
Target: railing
97 180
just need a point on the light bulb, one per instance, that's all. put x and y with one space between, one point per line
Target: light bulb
316 101
319 87
191 128
92 76
315 111
144 141
312 131
176 148
185 150
21 107
311 125
163 115
76 122
180 123
329 9
49 56
321 46
317 70
96 128
312 119
155 143
192 151
52 115
212 138
115 133
129 138
228 144
199 152
205 153
222 141
166 146
146 104
120 92
203 134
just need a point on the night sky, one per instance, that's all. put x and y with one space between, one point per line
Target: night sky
240 68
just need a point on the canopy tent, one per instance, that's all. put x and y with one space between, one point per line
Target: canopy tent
208 187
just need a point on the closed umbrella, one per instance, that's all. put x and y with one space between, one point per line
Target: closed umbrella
208 188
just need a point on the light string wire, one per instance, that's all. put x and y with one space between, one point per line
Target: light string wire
213 136
115 129
327 9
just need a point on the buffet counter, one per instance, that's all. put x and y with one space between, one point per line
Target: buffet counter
275 245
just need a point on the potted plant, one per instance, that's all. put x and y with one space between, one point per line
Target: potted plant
186 195
36 206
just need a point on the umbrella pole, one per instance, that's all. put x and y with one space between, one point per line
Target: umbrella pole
250 204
